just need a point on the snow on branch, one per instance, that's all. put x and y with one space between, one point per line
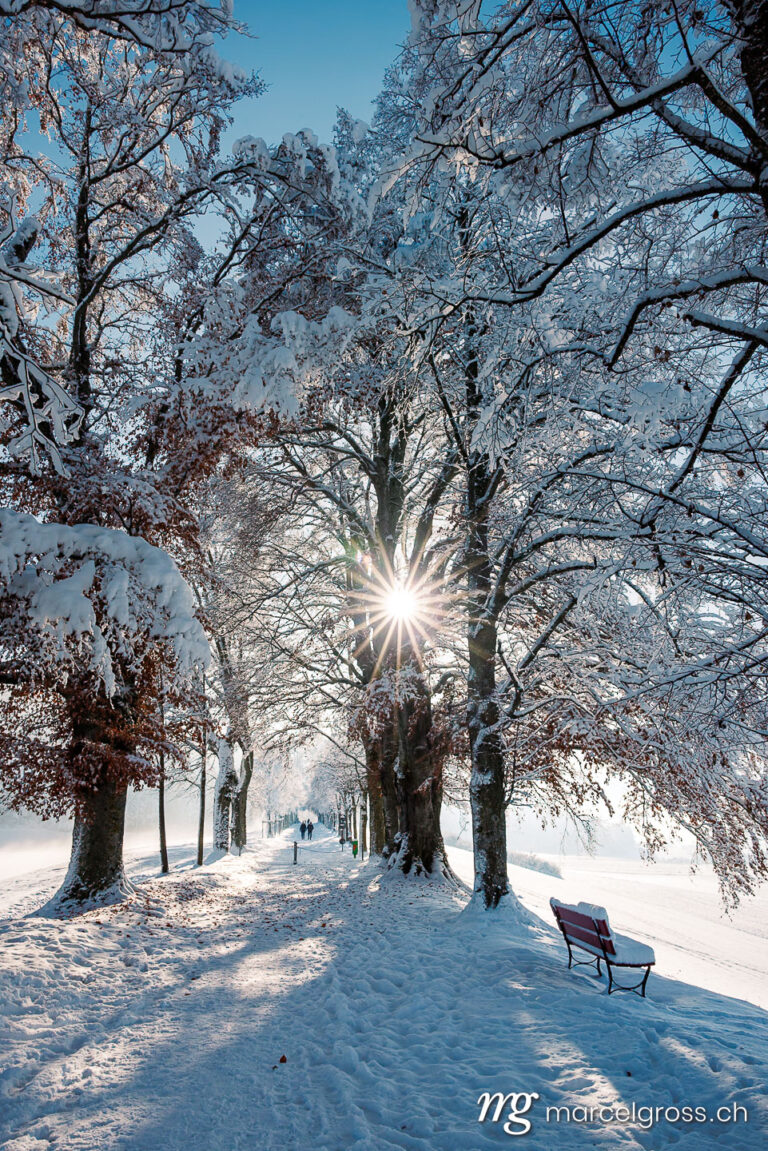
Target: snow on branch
79 594
169 26
714 282
50 417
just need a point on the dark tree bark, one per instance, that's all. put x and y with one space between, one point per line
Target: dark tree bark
201 810
750 20
420 846
389 789
373 776
161 798
486 789
487 783
103 738
750 23
364 825
226 785
161 819
240 804
96 873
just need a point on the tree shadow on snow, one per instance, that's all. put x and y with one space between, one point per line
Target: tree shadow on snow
395 1011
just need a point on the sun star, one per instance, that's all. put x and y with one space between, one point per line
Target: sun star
401 604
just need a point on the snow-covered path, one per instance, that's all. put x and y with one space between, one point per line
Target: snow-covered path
161 1023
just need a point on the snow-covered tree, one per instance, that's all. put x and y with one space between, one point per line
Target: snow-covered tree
132 156
182 33
565 126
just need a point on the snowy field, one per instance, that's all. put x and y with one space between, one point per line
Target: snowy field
680 915
255 1006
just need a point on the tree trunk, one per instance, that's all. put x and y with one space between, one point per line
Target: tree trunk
420 846
226 785
486 789
373 775
240 804
95 873
389 788
364 825
161 818
161 789
750 21
201 809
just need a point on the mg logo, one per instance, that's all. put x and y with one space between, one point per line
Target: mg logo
511 1108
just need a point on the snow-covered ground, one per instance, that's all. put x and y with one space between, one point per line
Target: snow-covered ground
680 915
162 1023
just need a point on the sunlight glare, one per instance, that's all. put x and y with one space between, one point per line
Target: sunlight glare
401 604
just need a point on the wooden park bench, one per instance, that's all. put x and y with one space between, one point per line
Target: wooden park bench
587 927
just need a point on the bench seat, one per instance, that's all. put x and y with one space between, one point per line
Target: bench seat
628 952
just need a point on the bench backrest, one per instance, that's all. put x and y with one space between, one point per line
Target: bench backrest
581 927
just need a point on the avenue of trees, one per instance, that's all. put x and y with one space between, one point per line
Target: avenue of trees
444 459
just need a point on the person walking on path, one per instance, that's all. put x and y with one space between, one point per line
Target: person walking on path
303 830
310 829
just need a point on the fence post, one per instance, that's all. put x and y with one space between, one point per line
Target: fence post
295 851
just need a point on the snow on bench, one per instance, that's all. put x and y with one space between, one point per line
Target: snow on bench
586 926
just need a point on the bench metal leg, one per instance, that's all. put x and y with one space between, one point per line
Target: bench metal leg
582 962
638 988
645 980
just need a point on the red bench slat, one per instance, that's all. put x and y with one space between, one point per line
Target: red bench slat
590 937
583 927
585 921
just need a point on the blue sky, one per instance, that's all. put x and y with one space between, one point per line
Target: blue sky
314 55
